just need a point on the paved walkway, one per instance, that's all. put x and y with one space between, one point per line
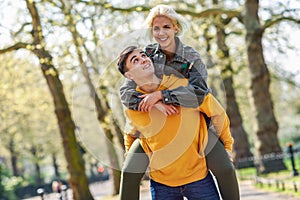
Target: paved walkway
247 192
102 191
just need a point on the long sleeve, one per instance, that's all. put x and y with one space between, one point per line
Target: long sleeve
212 108
194 93
129 95
128 140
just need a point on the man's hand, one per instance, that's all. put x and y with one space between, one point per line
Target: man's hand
149 100
166 109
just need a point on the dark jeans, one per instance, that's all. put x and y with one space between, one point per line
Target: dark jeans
204 189
136 163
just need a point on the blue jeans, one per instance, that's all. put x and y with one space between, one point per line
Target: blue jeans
204 189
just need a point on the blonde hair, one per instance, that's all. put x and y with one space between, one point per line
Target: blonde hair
169 12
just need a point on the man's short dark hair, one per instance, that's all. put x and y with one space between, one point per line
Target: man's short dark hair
123 57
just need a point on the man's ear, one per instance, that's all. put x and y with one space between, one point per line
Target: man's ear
128 75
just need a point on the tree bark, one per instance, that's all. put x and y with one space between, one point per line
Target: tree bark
75 165
265 127
55 166
102 110
13 157
34 153
241 147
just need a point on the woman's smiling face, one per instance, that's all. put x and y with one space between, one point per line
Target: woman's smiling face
163 31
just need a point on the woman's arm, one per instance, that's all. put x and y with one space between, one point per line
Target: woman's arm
193 94
190 95
129 95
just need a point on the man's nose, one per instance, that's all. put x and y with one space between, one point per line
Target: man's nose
144 60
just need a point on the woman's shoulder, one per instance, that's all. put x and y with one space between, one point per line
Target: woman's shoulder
190 53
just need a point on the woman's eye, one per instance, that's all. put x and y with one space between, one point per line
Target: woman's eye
155 28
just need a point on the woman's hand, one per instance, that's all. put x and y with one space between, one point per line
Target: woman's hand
166 109
149 100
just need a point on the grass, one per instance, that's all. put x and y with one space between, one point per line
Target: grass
282 181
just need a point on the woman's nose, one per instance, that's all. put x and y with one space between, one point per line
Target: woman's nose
160 32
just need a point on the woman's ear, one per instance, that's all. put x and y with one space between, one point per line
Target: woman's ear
176 28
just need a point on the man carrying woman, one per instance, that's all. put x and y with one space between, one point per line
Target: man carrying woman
174 144
171 56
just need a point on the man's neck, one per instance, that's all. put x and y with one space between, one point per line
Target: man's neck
149 85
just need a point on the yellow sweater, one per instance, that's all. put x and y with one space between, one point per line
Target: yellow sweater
175 143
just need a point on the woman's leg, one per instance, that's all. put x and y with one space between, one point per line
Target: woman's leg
223 169
134 168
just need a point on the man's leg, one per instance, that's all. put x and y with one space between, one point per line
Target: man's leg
223 169
163 192
202 189
134 168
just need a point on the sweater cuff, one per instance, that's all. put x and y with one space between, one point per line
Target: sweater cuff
166 96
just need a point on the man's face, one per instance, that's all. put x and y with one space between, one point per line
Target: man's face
139 65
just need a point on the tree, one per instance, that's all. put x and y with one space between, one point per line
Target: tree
78 179
241 147
266 126
101 107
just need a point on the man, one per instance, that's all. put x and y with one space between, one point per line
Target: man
174 143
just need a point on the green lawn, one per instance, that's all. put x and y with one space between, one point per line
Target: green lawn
282 181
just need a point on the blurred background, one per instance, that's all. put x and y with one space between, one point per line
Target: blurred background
61 119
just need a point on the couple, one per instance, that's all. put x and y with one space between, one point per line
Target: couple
164 109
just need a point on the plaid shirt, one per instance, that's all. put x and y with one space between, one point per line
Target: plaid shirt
185 63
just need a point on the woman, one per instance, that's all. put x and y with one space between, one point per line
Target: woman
170 55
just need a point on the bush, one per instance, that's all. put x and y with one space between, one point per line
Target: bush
8 184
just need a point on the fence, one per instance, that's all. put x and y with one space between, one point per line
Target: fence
291 155
282 184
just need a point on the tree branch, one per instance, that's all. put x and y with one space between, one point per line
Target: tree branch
272 22
19 45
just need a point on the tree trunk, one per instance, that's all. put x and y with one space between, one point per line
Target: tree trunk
13 157
55 166
75 165
241 147
34 153
103 111
265 127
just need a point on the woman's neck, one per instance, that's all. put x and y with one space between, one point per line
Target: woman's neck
170 50
169 55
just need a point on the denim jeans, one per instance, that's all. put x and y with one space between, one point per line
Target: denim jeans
204 189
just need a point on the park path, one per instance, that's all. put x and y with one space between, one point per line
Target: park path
247 192
102 191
